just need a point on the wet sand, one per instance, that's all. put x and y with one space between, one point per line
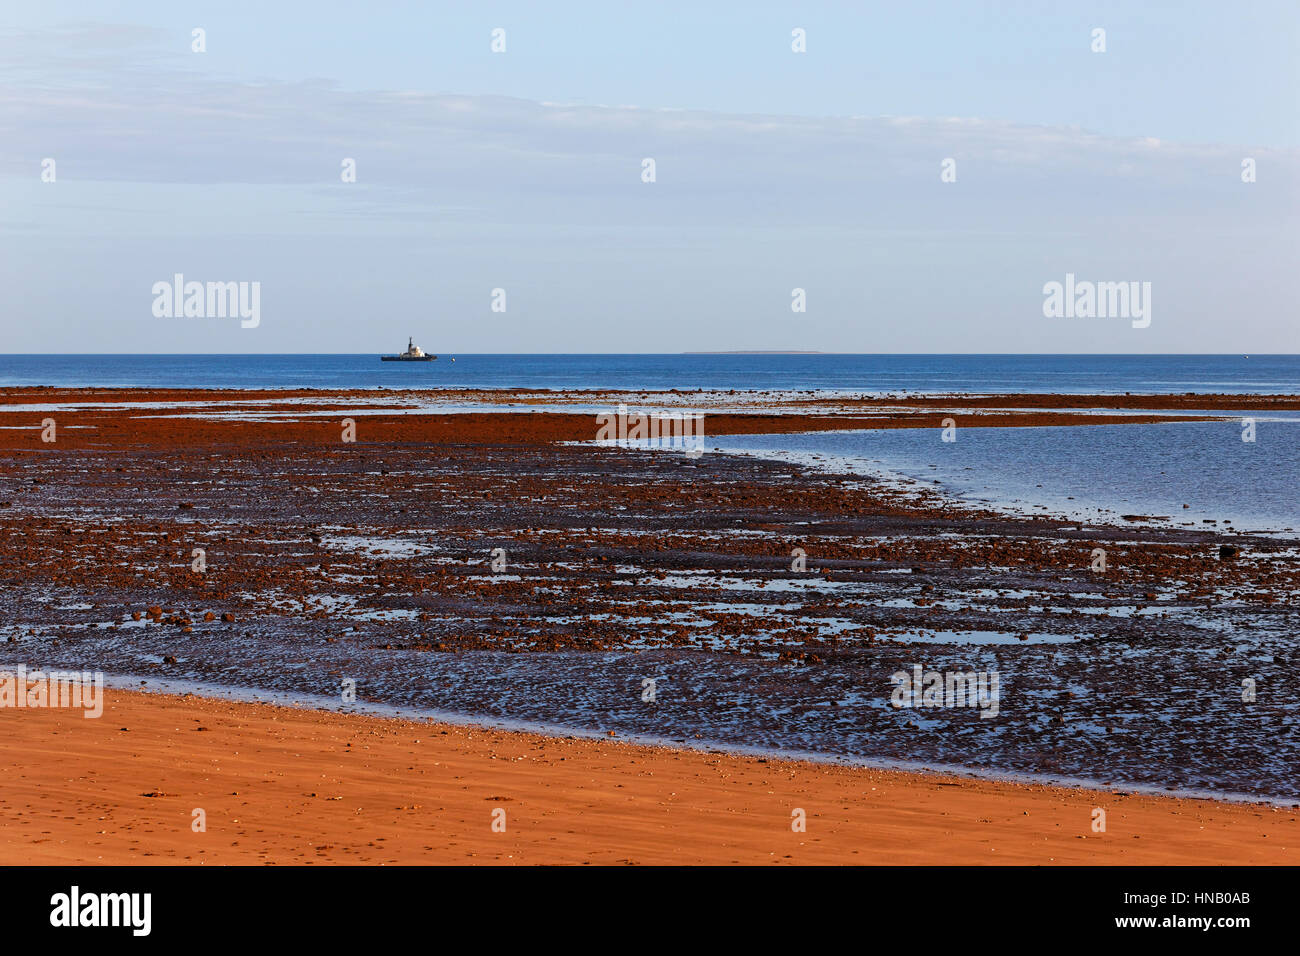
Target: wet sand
287 786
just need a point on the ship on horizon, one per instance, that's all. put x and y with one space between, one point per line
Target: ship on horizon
413 353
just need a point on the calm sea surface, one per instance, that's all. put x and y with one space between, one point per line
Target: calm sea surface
1089 471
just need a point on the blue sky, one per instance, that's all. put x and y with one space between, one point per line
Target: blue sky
775 170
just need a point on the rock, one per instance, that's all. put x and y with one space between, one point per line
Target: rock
1228 551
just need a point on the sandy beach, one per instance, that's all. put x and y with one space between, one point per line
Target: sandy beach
285 786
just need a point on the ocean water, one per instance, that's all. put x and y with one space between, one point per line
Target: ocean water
1107 374
1090 472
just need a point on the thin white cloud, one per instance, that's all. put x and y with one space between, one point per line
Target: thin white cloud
96 98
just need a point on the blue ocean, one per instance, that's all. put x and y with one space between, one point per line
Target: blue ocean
1184 474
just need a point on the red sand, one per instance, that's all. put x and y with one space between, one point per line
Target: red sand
143 427
290 786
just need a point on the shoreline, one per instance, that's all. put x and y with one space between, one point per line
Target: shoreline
907 480
811 398
300 786
133 684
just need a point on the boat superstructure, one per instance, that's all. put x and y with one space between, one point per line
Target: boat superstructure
413 353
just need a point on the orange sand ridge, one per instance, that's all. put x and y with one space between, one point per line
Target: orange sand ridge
291 786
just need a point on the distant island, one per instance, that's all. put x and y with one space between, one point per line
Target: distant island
761 352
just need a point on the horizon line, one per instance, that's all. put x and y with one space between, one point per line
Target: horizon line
752 353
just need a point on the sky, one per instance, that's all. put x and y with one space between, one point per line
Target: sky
775 170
